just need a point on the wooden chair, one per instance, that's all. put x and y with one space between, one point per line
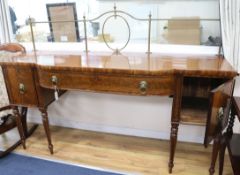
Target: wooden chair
12 47
11 117
218 116
231 141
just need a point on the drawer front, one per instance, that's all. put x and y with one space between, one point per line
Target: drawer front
20 86
137 85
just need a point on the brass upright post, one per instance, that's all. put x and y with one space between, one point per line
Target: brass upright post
85 33
32 35
115 11
149 33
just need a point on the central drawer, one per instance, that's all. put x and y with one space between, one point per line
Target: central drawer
124 84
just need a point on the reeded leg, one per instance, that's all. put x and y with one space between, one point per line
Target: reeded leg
46 128
19 126
215 151
173 140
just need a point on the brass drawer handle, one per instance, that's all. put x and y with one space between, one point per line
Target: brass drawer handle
54 79
143 86
22 88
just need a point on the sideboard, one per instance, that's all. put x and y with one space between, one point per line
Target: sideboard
36 79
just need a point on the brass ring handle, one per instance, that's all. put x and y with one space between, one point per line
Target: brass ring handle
22 88
220 114
143 85
54 79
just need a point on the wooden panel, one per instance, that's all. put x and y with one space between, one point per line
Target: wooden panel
14 76
220 103
200 87
162 85
197 87
195 100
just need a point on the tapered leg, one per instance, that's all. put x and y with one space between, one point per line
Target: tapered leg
173 140
46 128
27 131
24 120
215 151
19 126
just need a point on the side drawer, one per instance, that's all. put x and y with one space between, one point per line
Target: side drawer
132 84
20 85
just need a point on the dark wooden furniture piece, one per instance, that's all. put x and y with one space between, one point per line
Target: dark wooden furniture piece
16 118
186 78
231 141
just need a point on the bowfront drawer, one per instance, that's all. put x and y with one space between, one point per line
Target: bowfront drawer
20 85
144 85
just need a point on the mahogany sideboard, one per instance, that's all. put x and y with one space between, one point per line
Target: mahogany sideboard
35 79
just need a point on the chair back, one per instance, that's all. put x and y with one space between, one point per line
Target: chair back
12 47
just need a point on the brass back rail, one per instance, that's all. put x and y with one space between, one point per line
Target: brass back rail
116 13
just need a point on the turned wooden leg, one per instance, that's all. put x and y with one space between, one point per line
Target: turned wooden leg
19 125
173 140
46 128
215 151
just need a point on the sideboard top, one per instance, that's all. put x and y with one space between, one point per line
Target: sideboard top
189 65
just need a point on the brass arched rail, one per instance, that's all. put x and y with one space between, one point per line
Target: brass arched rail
109 14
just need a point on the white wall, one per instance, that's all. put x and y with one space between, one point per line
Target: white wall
130 115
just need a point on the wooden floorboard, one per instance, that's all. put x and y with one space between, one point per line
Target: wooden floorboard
115 152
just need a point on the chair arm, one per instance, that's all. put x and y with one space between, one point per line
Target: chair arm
6 108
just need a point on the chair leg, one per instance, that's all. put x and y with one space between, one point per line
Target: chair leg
10 149
19 126
221 156
27 131
24 120
215 151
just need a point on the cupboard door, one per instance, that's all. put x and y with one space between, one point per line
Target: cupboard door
20 85
219 109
